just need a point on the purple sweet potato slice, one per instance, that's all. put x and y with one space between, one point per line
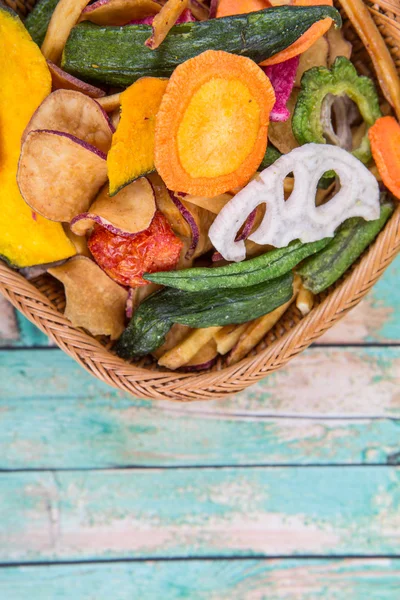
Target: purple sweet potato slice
75 114
128 212
119 12
59 175
61 80
93 300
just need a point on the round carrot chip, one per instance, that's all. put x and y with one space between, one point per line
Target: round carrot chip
212 125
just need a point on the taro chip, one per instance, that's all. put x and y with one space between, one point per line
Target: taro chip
61 80
282 76
128 212
76 114
119 12
316 56
93 300
59 175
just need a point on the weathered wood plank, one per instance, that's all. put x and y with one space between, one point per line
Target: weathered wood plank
376 319
340 382
199 512
373 579
103 432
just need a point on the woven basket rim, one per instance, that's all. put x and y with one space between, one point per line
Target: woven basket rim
157 384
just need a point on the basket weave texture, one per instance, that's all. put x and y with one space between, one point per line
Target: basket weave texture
42 301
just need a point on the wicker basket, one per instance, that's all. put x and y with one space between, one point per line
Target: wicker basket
42 301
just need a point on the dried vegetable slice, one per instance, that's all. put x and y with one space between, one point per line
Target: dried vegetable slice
26 239
210 101
61 80
127 213
59 175
119 12
74 113
132 150
93 300
385 144
164 21
66 14
298 217
125 259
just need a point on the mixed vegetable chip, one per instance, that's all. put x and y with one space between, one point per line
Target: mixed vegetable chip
190 170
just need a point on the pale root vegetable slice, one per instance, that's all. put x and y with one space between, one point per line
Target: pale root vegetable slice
61 80
76 114
183 352
337 45
119 12
204 359
258 328
304 300
315 56
128 212
298 217
214 205
132 150
363 23
93 300
228 337
110 103
175 335
59 175
65 16
165 20
26 239
210 101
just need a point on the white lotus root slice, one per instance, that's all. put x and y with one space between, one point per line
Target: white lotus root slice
298 217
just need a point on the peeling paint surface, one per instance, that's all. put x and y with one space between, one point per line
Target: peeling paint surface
287 491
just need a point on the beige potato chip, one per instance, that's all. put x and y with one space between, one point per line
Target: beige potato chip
65 16
93 300
337 45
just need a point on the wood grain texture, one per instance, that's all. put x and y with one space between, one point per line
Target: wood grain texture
374 579
101 432
334 382
152 513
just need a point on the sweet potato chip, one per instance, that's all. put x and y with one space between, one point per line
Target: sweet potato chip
128 212
59 175
93 300
65 16
183 352
119 12
132 152
61 80
76 114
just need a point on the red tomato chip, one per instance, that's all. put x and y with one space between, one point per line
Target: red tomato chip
126 259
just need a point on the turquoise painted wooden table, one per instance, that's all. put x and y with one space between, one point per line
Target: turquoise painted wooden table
290 490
